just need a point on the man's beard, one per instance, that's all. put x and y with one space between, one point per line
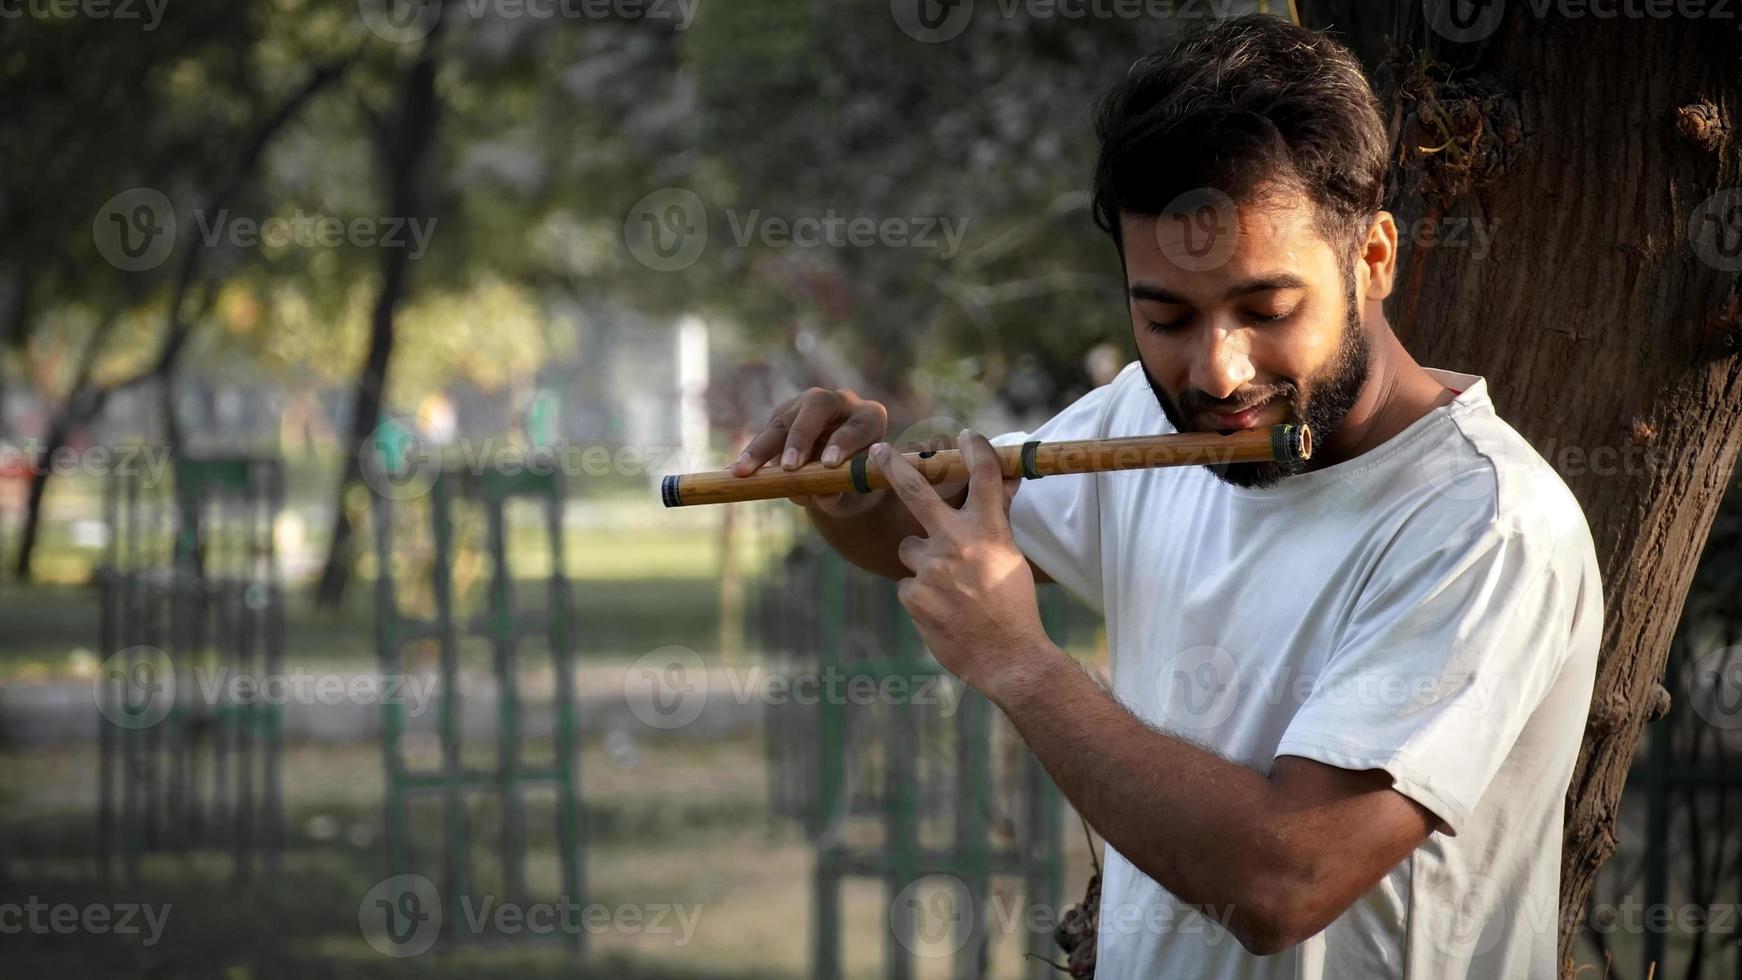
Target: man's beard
1329 395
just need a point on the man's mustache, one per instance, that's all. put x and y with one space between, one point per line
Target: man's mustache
1194 402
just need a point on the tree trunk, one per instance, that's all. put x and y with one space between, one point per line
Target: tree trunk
1604 312
1363 26
84 402
81 406
405 149
17 308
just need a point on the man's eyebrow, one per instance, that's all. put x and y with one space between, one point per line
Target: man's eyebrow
1259 284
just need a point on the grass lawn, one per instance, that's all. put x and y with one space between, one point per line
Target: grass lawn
53 631
685 827
684 824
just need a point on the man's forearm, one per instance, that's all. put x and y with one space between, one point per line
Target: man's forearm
1198 824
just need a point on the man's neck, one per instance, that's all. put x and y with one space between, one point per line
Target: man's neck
1397 393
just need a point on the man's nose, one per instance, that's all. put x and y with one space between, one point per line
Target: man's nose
1222 363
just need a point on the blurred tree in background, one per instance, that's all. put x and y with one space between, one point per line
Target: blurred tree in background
523 145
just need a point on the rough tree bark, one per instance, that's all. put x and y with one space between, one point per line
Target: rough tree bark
1606 315
405 142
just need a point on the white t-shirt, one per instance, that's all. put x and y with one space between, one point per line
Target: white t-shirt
1431 608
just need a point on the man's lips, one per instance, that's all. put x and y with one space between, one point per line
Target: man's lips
1239 420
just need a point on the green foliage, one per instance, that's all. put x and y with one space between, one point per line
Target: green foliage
824 108
549 133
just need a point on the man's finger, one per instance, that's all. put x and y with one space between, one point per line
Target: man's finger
765 446
864 425
911 551
814 413
985 478
912 489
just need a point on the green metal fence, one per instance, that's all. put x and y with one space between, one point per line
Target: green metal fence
920 786
190 600
491 781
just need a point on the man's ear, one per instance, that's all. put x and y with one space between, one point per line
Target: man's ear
1376 265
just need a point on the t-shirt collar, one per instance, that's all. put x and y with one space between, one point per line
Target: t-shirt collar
1472 396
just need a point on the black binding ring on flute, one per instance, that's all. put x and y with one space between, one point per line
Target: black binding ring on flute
668 491
857 470
1028 448
1290 443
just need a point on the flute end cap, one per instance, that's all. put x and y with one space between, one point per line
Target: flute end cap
1289 443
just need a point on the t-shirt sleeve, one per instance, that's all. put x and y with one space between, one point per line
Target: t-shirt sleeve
1445 658
1056 520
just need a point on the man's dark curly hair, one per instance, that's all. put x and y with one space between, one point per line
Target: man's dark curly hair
1236 106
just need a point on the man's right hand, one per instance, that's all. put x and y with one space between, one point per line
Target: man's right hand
830 425
835 426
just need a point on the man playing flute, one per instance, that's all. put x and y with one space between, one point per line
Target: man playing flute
1347 693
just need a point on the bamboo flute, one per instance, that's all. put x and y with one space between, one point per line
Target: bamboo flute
1032 460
